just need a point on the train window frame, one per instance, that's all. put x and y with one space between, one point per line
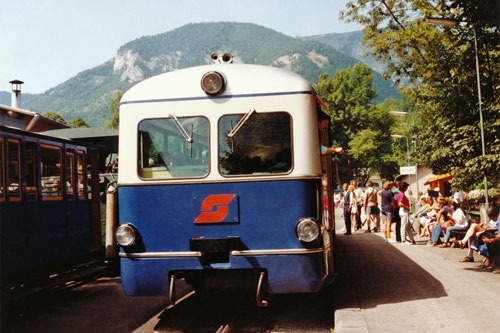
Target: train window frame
18 167
60 168
31 172
220 135
2 170
69 172
81 174
168 175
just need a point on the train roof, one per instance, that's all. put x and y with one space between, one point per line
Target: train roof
240 79
105 139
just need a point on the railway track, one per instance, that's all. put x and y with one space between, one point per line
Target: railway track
21 296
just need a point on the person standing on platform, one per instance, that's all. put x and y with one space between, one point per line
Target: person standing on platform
370 204
395 213
359 202
387 203
404 213
347 209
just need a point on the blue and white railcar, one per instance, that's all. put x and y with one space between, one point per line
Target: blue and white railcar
221 179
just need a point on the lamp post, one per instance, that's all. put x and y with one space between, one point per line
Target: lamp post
405 114
453 23
398 136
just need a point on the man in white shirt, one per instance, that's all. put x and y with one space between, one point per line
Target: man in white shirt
359 202
459 197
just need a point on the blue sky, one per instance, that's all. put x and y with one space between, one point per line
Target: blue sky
46 42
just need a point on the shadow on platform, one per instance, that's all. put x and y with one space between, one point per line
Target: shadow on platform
371 272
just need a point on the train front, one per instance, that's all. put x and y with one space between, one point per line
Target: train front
220 183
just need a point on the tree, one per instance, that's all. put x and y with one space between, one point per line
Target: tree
54 116
362 129
438 64
114 109
79 123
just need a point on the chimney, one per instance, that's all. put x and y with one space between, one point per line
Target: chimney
15 101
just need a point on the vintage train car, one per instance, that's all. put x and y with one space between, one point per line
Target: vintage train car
49 203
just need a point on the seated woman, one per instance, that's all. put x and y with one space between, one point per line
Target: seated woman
460 223
476 231
442 217
424 214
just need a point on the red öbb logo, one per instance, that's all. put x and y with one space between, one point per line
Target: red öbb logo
221 204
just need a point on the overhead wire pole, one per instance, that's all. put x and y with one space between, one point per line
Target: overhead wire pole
481 118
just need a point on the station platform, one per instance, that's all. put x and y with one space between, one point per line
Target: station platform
394 287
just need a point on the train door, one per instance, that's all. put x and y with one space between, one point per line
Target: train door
328 214
12 228
77 215
32 208
93 197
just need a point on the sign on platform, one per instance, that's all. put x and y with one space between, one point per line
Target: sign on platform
408 170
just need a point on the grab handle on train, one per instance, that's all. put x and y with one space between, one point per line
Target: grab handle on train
259 297
111 205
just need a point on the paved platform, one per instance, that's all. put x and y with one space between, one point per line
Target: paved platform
387 287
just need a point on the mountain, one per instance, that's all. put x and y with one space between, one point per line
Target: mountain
349 43
89 93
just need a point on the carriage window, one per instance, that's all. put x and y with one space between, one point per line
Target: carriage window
173 148
2 179
51 172
13 170
31 176
261 145
70 174
80 160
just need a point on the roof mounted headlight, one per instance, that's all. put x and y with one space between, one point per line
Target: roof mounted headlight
307 230
213 83
125 235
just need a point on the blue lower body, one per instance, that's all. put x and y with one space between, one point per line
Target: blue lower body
262 217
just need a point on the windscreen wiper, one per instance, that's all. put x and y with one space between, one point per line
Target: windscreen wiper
240 123
181 128
189 138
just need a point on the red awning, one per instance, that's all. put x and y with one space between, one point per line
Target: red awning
440 178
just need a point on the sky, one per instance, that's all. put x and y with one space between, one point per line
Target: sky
46 42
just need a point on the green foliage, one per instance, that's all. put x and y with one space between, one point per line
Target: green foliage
89 94
79 123
361 128
54 116
439 64
114 110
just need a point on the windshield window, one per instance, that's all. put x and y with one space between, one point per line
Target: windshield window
262 145
165 153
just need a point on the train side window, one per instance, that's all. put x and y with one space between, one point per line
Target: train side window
70 175
31 171
14 170
2 176
173 148
80 160
261 145
51 158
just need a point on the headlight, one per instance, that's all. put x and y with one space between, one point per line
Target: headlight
125 235
212 83
307 230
